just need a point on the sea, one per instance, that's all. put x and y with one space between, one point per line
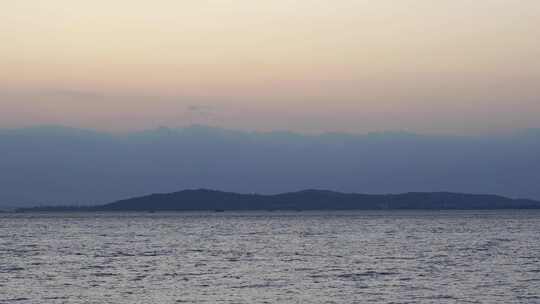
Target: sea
271 257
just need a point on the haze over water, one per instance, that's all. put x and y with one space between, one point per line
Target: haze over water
271 257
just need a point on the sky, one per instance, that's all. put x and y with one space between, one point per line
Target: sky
446 66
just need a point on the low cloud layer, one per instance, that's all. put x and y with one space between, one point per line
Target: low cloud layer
55 165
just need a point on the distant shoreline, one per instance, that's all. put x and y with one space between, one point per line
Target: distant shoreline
306 200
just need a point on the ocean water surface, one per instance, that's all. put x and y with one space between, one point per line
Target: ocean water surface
271 257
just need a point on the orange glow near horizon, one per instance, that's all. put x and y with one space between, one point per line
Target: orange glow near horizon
311 65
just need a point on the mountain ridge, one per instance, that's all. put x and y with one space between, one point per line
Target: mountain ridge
310 199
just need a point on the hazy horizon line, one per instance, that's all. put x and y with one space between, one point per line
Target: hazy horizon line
52 126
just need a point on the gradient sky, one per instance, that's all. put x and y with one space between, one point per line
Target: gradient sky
446 66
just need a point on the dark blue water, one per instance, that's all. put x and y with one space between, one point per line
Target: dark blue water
271 257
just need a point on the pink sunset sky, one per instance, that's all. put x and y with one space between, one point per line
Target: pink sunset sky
448 66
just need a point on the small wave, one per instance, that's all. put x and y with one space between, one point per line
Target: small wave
11 269
396 258
17 300
441 297
104 274
367 274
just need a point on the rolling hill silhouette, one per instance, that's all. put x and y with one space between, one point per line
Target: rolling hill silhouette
207 200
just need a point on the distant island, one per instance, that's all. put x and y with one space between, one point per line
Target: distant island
219 201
